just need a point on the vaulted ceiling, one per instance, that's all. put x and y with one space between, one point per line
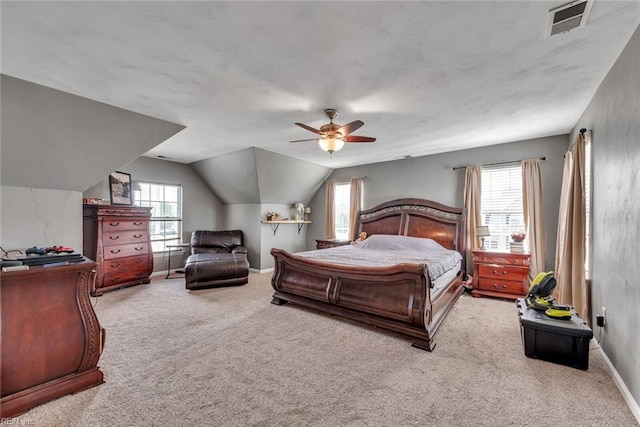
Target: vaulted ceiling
425 77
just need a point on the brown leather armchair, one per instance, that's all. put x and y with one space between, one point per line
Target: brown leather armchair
218 258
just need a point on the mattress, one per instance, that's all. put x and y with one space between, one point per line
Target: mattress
387 250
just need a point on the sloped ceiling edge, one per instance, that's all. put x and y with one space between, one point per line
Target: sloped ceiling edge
55 140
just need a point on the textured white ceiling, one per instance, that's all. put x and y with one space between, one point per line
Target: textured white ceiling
425 77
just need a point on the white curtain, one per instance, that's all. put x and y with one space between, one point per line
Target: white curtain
330 230
570 252
355 205
533 214
472 200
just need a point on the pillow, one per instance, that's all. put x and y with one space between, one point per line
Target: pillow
385 242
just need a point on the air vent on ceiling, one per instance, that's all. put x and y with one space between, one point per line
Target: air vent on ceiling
568 17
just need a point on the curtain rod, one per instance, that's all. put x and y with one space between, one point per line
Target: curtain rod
496 164
346 179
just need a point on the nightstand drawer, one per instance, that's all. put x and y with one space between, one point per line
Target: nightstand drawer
502 272
496 285
501 258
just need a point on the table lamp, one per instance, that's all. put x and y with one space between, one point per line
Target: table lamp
482 232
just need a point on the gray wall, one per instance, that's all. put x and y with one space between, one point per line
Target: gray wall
433 177
40 217
201 209
52 139
614 118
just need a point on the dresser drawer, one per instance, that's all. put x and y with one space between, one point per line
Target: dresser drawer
502 272
115 278
121 251
497 285
501 258
118 224
121 237
129 263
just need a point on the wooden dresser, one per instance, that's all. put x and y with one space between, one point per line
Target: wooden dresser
500 274
330 243
117 238
51 337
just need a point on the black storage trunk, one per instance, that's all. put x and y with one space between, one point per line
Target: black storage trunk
560 341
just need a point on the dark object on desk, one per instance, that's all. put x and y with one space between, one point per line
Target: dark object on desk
36 250
51 258
10 263
218 259
51 337
560 341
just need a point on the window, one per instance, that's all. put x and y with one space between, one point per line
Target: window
166 216
587 209
341 210
502 204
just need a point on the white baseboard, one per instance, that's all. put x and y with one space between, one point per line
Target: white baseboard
617 379
266 270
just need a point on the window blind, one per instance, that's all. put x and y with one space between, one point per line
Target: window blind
501 203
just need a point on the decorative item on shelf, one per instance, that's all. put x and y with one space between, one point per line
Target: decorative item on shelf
482 231
274 216
297 211
307 213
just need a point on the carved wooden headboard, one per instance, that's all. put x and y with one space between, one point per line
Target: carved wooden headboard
416 218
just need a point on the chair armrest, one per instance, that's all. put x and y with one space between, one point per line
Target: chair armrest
239 250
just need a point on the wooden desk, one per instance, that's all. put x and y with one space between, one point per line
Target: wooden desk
51 337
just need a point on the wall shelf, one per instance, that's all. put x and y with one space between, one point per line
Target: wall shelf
276 224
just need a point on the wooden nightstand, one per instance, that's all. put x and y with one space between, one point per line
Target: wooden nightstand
330 243
500 274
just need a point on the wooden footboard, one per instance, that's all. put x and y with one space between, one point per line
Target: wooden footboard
396 298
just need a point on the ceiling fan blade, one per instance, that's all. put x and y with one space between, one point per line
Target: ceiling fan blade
356 138
309 128
305 140
350 127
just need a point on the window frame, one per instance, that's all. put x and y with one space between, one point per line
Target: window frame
178 220
340 216
500 238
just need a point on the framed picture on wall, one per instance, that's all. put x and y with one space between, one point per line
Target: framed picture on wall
120 188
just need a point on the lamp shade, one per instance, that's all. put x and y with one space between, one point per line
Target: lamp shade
483 231
331 144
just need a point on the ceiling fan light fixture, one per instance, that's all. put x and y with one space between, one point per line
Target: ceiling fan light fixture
331 145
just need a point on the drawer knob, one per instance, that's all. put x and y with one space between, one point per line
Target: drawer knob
115 251
137 223
484 258
137 236
496 272
115 265
114 237
114 224
496 286
139 248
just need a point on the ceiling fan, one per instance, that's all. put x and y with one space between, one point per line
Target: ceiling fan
332 136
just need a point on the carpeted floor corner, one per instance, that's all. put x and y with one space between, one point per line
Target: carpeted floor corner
227 357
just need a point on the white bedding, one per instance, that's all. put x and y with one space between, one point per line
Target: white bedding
382 250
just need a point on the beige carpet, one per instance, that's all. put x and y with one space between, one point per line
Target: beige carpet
227 357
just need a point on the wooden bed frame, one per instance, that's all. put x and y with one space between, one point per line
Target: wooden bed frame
396 297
